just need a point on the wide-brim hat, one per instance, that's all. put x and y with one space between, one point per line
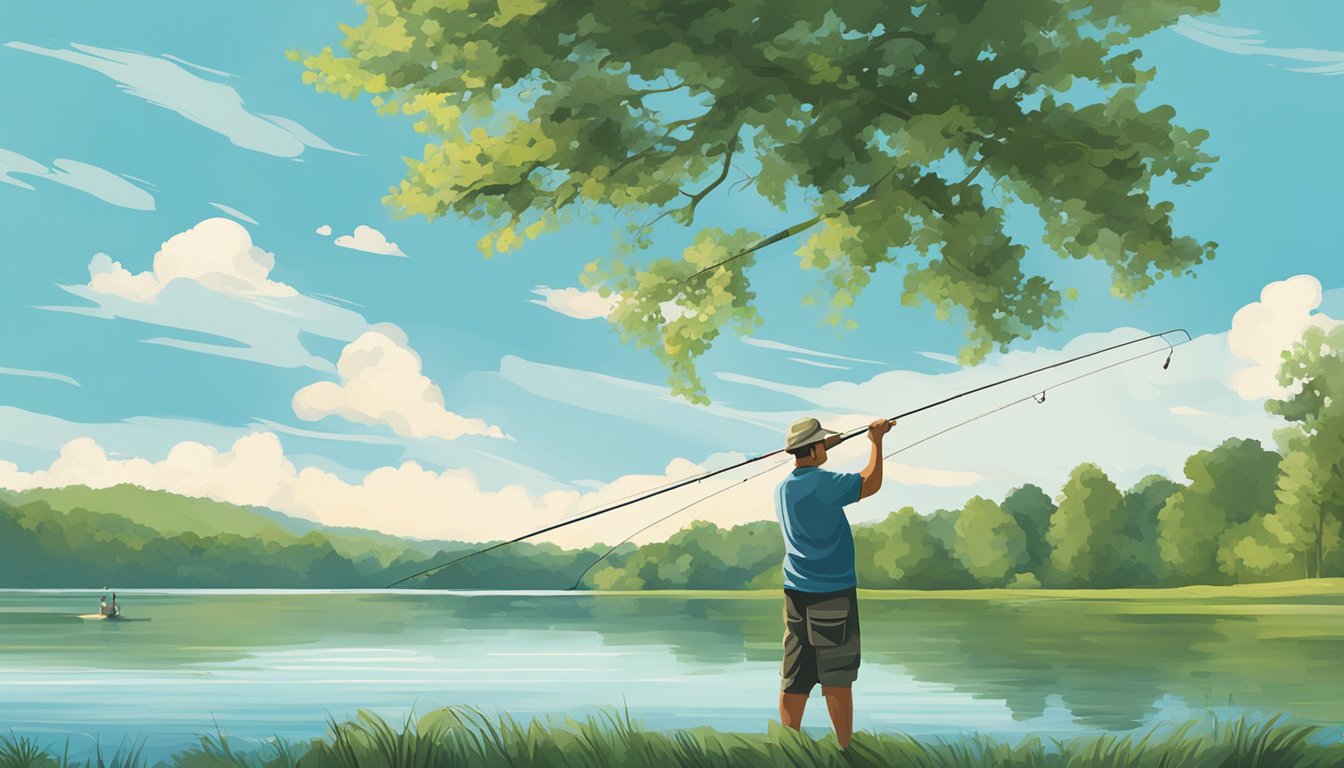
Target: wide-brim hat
804 432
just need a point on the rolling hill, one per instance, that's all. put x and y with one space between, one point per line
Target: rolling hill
171 514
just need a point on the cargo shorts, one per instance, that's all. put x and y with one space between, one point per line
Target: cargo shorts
821 640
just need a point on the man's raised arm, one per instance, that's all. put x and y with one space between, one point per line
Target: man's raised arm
872 474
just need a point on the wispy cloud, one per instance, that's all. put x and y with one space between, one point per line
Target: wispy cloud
780 346
89 179
818 364
211 280
216 106
940 357
235 213
220 73
1243 42
575 302
39 375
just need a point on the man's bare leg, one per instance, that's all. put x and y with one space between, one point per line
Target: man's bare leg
791 706
840 703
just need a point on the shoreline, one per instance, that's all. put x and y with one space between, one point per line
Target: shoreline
1333 587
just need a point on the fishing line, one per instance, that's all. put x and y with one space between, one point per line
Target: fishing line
673 513
1171 348
843 437
1038 398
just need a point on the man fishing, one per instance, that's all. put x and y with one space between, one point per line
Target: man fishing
821 610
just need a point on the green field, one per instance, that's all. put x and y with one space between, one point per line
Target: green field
1268 591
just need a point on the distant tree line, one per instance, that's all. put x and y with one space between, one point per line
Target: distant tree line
43 547
1226 525
1244 513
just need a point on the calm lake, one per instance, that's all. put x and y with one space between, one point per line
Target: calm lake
279 663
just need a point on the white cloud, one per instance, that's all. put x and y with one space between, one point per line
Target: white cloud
217 253
1262 330
366 239
1243 42
216 106
254 471
1185 410
406 500
213 280
382 383
411 500
22 372
782 347
942 478
324 230
235 213
591 305
575 303
89 179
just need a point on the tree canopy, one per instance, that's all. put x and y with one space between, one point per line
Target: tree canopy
908 131
1310 511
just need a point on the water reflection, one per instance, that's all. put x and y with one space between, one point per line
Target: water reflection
1104 664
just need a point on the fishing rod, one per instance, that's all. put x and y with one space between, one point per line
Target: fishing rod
1035 397
737 465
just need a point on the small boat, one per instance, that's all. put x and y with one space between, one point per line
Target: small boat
106 611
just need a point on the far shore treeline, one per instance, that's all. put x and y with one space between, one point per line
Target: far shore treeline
1244 512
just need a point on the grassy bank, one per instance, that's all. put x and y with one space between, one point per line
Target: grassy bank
460 737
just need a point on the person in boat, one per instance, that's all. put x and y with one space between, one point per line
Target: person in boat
102 606
821 609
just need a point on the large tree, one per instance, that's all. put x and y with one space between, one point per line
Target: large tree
906 132
1230 485
895 552
1032 508
1084 531
990 544
1310 511
1140 560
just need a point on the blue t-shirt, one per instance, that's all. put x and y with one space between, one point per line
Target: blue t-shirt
818 545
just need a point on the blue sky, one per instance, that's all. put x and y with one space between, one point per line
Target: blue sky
121 131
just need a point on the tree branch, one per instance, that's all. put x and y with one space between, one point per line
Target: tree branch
855 203
492 190
630 160
960 185
642 93
723 174
901 34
